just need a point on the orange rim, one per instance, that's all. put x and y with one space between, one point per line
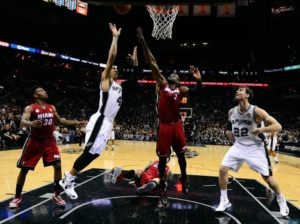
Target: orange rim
161 9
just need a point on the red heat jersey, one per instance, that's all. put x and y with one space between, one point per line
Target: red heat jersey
168 104
47 117
152 172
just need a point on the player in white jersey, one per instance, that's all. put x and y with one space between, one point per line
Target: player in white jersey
272 147
100 123
111 138
248 146
271 143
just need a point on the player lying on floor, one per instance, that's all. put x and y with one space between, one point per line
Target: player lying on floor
145 180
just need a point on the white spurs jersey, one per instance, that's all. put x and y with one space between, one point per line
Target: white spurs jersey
242 124
110 101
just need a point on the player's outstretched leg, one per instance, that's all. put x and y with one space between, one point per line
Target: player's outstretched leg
223 182
116 173
146 188
183 178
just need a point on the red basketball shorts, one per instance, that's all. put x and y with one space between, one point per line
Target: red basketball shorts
34 149
170 135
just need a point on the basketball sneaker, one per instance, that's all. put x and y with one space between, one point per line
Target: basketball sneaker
57 199
284 209
116 172
15 203
163 193
68 185
224 204
146 187
184 185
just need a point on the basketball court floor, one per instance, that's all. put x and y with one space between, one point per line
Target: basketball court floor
100 201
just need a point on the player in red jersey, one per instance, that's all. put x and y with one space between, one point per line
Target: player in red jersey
145 180
170 130
41 118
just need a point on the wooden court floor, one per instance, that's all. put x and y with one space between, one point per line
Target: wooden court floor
134 154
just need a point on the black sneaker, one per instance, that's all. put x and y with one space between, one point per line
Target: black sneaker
163 193
146 188
184 185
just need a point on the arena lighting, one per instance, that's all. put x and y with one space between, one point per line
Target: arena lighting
273 70
293 67
23 48
74 59
188 83
47 53
4 44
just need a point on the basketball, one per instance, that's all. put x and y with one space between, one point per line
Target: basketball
122 9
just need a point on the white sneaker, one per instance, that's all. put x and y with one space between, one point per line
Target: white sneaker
224 204
284 209
116 172
68 185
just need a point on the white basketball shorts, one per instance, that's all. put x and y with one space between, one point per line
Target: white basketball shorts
97 133
256 156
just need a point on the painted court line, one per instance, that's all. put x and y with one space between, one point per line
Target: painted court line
42 202
136 196
288 200
210 185
258 201
23 192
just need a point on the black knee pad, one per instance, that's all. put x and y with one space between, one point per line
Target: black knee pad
83 160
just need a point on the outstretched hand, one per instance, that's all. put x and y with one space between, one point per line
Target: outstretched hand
195 72
115 32
140 34
81 124
133 57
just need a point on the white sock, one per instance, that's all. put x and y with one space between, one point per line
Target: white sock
279 196
224 194
69 176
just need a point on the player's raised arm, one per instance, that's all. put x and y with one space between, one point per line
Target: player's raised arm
197 76
135 62
157 76
106 74
25 120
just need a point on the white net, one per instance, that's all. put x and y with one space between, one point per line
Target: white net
163 17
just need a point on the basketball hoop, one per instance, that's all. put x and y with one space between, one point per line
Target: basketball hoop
163 17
